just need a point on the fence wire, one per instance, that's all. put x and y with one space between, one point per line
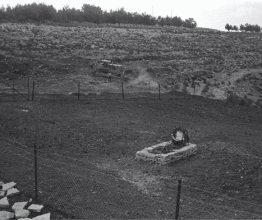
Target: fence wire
14 89
81 190
84 193
52 88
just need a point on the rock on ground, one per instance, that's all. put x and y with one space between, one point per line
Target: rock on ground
22 213
35 208
2 193
42 217
8 186
4 215
12 192
19 205
4 203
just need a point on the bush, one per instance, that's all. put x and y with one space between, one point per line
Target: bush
242 102
184 90
205 89
233 98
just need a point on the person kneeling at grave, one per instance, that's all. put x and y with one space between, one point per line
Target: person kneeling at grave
179 139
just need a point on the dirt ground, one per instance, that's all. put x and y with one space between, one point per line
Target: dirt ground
87 155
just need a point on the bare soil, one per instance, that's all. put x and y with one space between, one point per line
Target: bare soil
103 133
86 148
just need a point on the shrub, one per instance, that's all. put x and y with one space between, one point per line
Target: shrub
184 90
205 89
233 98
210 95
177 86
242 102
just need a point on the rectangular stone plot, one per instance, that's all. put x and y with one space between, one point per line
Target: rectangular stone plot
178 154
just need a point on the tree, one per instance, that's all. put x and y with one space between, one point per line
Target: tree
235 28
256 28
2 13
161 21
242 27
67 14
190 23
40 12
248 27
177 21
92 13
168 21
228 27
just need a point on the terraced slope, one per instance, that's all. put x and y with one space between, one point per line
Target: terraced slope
207 63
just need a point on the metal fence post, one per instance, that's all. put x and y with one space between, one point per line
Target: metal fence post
33 92
159 91
123 93
28 87
78 93
35 158
178 198
13 88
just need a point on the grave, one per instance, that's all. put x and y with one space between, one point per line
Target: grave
166 152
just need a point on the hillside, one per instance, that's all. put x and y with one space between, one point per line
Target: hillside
86 148
214 62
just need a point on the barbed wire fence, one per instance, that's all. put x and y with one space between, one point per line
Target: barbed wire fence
31 88
28 89
15 89
81 190
37 88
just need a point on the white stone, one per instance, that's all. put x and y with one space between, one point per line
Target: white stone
25 219
8 186
177 154
22 213
2 193
42 217
12 192
4 215
19 205
4 203
179 136
35 208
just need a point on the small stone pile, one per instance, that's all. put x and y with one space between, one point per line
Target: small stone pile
20 210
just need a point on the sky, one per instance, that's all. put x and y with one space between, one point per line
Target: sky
207 13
